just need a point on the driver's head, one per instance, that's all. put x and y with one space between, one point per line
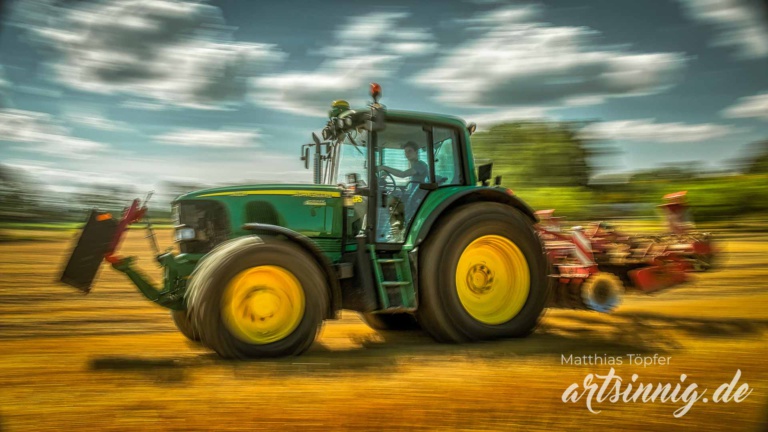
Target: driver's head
411 151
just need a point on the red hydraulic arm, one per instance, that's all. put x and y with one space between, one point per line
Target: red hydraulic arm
133 214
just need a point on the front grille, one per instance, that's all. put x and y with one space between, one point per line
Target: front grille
210 222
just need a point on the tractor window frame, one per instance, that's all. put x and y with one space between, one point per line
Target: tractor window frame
456 167
461 146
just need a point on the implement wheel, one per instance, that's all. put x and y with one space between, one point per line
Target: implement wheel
396 322
252 298
482 275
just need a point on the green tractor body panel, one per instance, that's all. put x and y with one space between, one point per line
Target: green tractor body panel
311 210
426 212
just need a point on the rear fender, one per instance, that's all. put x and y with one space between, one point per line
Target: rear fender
452 198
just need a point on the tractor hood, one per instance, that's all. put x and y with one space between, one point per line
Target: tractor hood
296 190
206 218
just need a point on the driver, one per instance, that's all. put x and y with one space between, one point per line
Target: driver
417 171
402 204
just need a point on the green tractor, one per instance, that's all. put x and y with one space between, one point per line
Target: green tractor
398 226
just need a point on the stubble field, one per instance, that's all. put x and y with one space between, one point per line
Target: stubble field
113 361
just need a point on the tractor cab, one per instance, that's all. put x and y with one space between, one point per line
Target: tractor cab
388 162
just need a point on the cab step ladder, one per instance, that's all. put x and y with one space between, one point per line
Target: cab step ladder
402 287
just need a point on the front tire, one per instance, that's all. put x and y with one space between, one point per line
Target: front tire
252 298
184 324
482 275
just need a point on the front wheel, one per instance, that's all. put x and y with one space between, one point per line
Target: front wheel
482 275
252 298
184 324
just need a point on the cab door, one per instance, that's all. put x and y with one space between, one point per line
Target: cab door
412 159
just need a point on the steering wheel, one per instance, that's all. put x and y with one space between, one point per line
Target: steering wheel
387 182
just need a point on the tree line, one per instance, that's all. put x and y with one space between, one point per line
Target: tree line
549 164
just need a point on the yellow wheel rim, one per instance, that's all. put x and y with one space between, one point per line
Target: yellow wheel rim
263 304
492 279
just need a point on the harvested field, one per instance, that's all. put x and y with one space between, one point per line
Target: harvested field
113 361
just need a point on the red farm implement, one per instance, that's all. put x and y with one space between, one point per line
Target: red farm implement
592 266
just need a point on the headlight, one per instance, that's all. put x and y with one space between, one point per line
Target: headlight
184 234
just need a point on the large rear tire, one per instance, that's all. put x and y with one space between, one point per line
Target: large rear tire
483 275
253 298
391 322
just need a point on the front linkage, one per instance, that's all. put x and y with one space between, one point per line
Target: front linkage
99 240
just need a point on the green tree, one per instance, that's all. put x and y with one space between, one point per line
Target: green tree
757 162
534 154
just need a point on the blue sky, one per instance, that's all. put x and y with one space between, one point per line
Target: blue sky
147 91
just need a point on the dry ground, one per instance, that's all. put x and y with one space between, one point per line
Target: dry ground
113 361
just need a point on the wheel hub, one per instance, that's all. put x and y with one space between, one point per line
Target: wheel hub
492 279
480 278
263 304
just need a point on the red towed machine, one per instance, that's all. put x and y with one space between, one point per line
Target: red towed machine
593 266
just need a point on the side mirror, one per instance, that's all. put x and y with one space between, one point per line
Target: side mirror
305 155
472 127
484 173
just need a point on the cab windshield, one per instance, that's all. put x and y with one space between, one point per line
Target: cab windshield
350 153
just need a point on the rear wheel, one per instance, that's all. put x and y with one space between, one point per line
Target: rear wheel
397 321
482 275
252 298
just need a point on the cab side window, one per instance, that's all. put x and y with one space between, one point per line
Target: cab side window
447 161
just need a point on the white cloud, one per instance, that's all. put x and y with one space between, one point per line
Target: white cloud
143 105
145 173
177 52
411 48
366 48
380 33
65 179
211 138
149 172
648 130
369 27
39 133
742 24
514 61
311 93
97 121
502 15
748 107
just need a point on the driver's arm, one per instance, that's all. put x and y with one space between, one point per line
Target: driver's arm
398 173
